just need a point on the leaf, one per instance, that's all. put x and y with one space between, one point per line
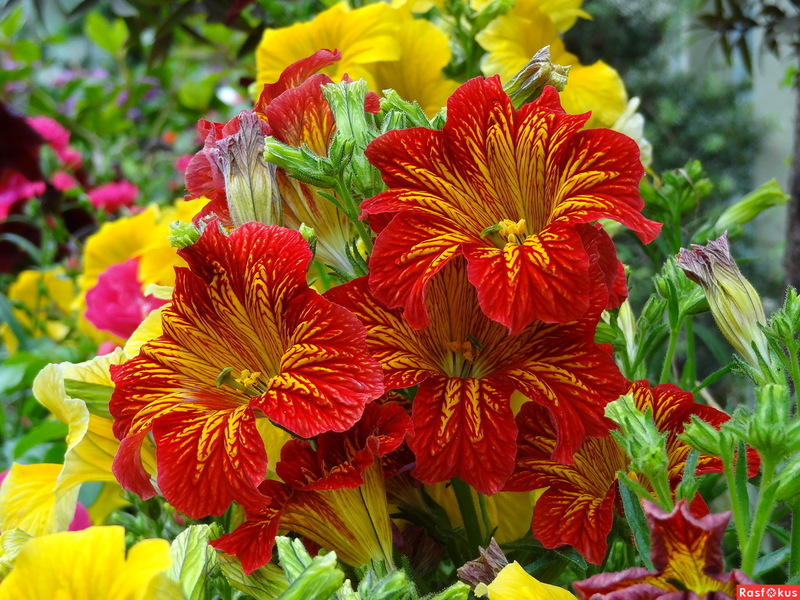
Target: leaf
13 23
46 431
266 583
95 395
197 95
111 37
192 561
636 521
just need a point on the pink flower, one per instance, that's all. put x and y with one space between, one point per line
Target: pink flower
63 181
116 303
58 139
14 187
113 196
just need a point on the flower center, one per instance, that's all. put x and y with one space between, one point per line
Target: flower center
463 356
508 231
249 382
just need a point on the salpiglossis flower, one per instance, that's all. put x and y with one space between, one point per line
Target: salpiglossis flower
468 367
686 552
243 338
504 188
333 494
577 508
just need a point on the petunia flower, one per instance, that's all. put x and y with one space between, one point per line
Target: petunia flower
506 189
512 38
687 555
88 564
332 494
363 35
113 196
513 583
577 506
244 338
469 370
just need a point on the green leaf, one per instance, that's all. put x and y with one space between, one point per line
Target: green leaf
636 521
111 37
12 23
266 583
193 560
293 557
197 95
457 591
309 578
46 431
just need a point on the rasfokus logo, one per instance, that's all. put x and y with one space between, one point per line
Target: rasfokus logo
767 591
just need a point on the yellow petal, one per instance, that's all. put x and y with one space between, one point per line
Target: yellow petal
597 88
87 565
28 500
364 36
513 583
425 51
110 498
563 13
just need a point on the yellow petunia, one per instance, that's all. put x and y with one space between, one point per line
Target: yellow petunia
364 36
88 565
28 500
513 38
417 75
42 299
513 583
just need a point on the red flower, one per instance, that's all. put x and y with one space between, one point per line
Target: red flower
577 508
333 495
468 368
243 338
687 556
505 189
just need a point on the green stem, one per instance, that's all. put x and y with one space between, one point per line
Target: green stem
794 371
764 506
468 514
794 557
673 343
352 213
739 505
689 371
663 493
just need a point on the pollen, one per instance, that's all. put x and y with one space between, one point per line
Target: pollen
248 378
513 232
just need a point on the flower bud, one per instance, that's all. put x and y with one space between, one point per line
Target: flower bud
734 303
182 234
703 437
249 181
639 437
753 204
301 163
528 84
768 427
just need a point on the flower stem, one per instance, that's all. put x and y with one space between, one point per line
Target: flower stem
739 505
673 343
764 506
472 526
794 557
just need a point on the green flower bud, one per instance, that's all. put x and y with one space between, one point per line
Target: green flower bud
301 163
753 204
734 303
528 84
703 437
639 437
789 481
768 427
182 234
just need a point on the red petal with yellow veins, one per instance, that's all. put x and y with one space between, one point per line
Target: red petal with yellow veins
208 456
567 517
545 278
295 74
464 428
410 256
128 468
391 340
252 542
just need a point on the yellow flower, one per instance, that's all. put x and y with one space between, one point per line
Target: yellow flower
90 564
513 583
364 36
44 299
28 500
513 38
417 75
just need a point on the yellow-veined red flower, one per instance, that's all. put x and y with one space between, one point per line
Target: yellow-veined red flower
244 338
504 188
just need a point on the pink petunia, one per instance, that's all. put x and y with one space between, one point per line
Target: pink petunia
113 196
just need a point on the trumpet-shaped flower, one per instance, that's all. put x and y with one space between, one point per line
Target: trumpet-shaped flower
333 494
90 564
363 36
243 338
577 508
468 367
511 39
505 189
686 552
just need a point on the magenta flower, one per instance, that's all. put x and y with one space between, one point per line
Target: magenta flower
113 196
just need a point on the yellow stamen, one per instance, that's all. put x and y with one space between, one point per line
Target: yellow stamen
248 378
512 231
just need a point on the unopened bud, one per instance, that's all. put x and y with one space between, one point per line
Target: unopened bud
182 234
638 436
529 83
767 431
703 437
753 204
735 305
249 181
